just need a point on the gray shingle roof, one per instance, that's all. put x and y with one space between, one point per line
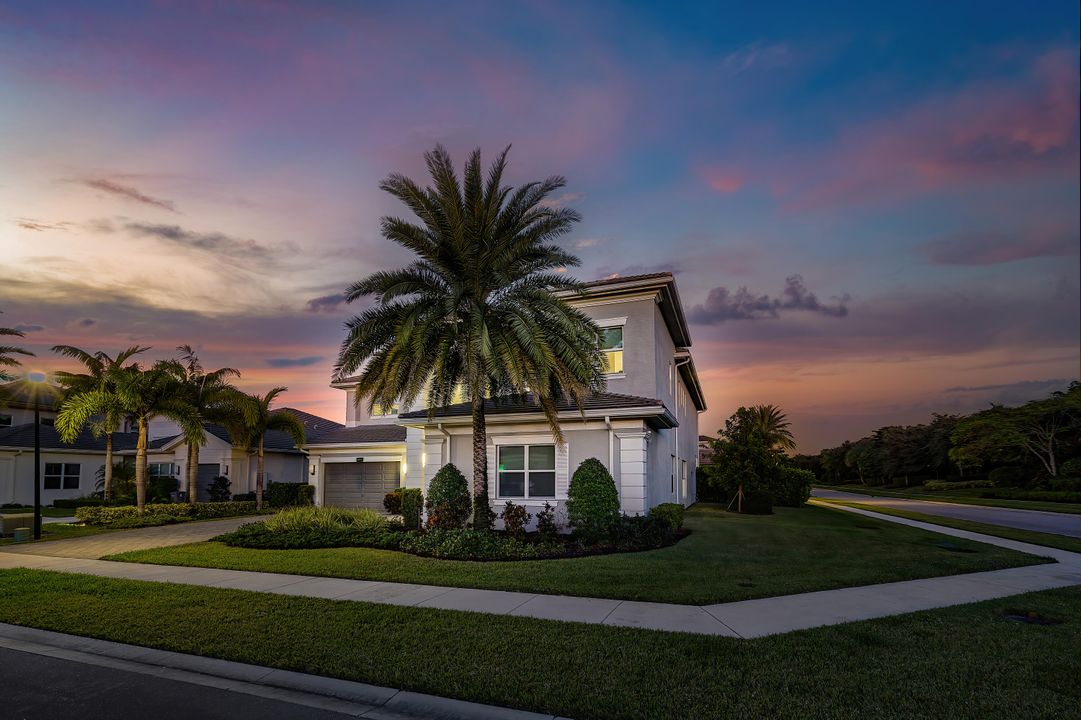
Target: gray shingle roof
273 440
312 423
526 404
22 436
359 434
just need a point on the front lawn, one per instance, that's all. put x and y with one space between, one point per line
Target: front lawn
967 661
45 511
62 531
963 496
726 557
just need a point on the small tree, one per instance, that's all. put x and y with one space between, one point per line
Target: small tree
592 501
448 502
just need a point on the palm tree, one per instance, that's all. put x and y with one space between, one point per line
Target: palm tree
8 351
206 395
92 396
476 310
251 419
145 394
774 425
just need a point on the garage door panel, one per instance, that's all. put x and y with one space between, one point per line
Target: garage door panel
359 484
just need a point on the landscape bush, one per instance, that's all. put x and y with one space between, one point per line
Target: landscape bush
244 497
448 502
161 513
592 501
1066 483
639 532
792 487
280 494
671 513
515 518
939 485
325 518
547 527
412 502
1009 476
469 544
256 536
219 489
392 501
1071 468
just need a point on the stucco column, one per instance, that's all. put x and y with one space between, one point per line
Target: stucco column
633 469
433 456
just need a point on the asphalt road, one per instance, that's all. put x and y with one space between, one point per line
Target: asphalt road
36 687
1036 520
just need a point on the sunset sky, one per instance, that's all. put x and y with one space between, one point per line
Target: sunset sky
871 212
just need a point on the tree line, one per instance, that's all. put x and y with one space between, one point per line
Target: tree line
1037 442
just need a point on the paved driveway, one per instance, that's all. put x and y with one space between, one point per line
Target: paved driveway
96 546
1036 520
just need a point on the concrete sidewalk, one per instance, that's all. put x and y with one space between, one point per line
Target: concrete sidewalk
746 619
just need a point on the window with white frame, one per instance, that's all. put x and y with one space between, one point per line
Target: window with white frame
62 476
160 469
612 347
380 410
527 471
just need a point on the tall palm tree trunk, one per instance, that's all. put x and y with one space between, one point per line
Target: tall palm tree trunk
140 465
107 488
482 511
193 472
259 478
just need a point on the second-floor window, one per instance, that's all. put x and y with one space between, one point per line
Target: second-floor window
379 410
62 476
612 347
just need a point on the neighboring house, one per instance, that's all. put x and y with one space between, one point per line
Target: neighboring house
644 428
70 470
705 449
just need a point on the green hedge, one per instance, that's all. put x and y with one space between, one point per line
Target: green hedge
939 485
280 494
160 513
411 505
793 487
670 513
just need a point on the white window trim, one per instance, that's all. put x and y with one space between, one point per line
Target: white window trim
620 322
525 471
63 476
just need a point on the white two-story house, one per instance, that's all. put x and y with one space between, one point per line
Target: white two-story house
644 427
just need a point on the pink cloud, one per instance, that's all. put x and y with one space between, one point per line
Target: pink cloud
994 247
724 180
992 130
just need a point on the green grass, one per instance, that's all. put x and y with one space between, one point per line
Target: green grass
961 662
63 531
45 511
965 496
726 557
1062 542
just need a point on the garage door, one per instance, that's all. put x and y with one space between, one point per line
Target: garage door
207 473
360 484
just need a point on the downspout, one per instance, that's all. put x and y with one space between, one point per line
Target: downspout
445 440
677 471
611 458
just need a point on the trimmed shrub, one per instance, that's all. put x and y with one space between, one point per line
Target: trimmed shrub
256 535
793 486
161 513
515 518
448 502
325 518
671 513
412 502
468 544
592 501
547 527
392 501
244 497
641 532
1009 476
72 503
279 494
939 485
219 489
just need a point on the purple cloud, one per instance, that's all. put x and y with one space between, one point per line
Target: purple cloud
722 304
127 192
992 247
294 362
325 303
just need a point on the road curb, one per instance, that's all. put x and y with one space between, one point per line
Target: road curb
344 696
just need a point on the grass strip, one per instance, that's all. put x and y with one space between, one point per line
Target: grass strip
962 662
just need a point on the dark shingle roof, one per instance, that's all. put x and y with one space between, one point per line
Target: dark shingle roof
628 278
22 436
526 404
273 440
313 424
359 434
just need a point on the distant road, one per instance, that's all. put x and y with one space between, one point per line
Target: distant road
1035 520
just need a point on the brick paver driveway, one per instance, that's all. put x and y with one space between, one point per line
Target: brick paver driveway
96 546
